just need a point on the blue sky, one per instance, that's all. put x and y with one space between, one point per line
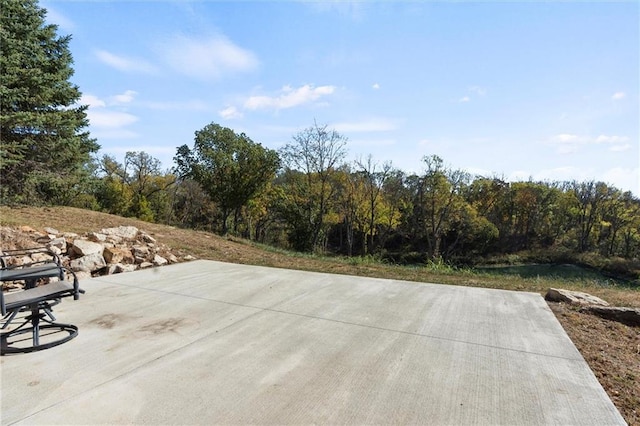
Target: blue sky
518 90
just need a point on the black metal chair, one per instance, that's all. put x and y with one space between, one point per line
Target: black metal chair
33 304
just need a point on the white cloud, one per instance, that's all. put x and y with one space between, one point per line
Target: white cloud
230 113
375 86
565 138
123 98
149 149
124 64
618 95
480 91
101 134
191 105
110 119
104 121
620 148
289 97
562 174
519 175
476 91
477 171
559 174
91 101
567 143
372 125
624 179
372 142
567 149
207 59
611 139
57 18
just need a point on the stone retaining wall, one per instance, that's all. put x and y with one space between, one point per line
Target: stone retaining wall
107 251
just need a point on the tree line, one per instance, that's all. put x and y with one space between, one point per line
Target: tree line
304 196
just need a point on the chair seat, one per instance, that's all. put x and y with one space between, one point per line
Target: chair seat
39 294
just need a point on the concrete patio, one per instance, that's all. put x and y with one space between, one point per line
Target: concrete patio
213 343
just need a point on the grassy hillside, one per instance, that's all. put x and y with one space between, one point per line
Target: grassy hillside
206 245
611 349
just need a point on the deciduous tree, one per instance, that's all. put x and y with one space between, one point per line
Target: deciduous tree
315 152
230 167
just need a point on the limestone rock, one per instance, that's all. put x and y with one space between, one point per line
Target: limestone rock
84 247
55 250
83 275
118 255
125 232
573 297
59 243
46 238
109 251
97 237
628 316
141 253
148 238
110 269
159 260
125 268
41 257
90 263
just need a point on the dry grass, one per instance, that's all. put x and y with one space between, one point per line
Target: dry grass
611 349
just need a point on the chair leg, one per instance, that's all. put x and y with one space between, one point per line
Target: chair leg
35 321
8 318
11 340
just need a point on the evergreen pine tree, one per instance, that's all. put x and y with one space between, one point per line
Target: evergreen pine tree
44 144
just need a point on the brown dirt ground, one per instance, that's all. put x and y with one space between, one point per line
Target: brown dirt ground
611 349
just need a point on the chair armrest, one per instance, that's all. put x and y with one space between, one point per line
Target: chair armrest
6 254
54 290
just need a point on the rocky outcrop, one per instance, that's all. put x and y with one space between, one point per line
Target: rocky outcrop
628 316
573 297
107 251
596 306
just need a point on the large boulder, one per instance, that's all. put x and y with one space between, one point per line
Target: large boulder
159 260
118 255
628 316
141 253
89 263
123 232
50 230
97 237
573 297
85 248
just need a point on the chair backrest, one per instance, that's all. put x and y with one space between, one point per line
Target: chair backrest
31 273
45 255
